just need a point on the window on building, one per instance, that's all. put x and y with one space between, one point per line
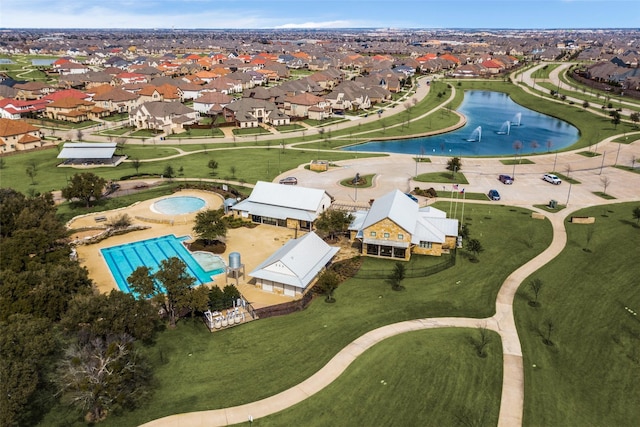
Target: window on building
386 235
425 245
400 236
373 234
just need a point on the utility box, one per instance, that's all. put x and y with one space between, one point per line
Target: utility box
553 204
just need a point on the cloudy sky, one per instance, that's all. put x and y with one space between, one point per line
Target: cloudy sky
251 14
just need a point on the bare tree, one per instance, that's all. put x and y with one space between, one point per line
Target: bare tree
605 180
568 170
536 286
548 329
549 144
481 340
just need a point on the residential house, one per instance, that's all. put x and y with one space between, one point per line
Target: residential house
211 103
16 109
18 135
117 100
32 90
283 205
167 117
249 112
349 96
395 227
293 268
302 106
74 110
163 93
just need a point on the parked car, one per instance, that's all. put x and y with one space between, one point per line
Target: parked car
505 179
290 180
549 177
493 195
412 197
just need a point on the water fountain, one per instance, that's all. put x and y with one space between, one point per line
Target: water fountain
505 129
476 135
516 119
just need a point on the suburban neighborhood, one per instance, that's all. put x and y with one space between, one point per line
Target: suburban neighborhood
207 227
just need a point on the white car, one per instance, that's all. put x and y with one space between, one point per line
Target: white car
549 177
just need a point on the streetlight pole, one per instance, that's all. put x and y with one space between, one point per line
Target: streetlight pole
602 164
617 154
554 161
568 194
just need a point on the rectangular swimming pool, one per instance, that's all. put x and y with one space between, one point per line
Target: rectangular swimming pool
122 260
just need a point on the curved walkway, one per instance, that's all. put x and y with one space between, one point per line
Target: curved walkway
502 322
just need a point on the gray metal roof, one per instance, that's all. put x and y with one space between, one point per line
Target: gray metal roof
273 211
298 262
288 196
87 150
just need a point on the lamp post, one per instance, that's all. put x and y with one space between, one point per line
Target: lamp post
602 164
568 194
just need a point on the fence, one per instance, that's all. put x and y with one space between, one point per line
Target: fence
411 273
285 308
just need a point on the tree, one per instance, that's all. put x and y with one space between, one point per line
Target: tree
169 172
585 104
635 118
397 276
136 163
79 134
233 171
198 300
615 119
536 286
534 145
32 171
110 315
84 186
483 339
327 284
636 214
474 246
605 180
26 348
333 221
213 165
454 164
173 277
549 144
141 282
102 376
210 225
568 170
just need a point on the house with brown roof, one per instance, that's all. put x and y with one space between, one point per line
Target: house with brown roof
18 135
32 90
74 110
164 93
117 100
168 117
249 112
307 105
211 103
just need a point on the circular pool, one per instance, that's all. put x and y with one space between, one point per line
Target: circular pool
178 205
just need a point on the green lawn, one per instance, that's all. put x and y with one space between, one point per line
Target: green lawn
589 377
445 177
398 383
251 164
194 366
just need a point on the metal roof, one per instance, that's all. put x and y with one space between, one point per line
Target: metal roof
298 262
273 211
87 150
288 196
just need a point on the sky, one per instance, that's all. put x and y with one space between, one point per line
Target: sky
282 14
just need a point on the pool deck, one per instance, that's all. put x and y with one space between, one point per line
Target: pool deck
253 244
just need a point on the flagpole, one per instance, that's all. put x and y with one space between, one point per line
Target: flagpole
451 202
455 215
464 197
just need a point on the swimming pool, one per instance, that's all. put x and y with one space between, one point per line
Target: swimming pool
122 260
178 205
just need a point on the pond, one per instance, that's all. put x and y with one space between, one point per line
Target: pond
495 125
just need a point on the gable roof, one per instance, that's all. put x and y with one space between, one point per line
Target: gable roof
297 262
397 207
10 127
